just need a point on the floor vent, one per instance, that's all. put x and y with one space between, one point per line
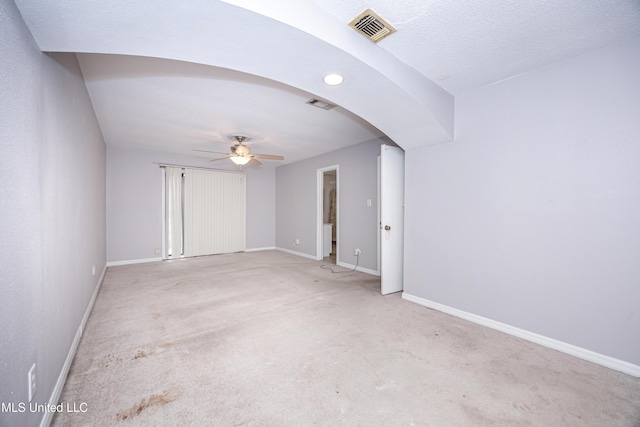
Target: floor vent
372 26
321 104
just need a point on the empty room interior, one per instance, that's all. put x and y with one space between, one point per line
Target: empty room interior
320 212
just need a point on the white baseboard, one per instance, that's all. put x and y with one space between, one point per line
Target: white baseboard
579 352
57 390
362 269
132 261
271 248
302 254
341 264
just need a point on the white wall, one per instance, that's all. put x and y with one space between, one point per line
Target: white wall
296 203
532 216
52 193
134 202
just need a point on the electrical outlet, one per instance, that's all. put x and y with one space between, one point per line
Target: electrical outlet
357 251
157 251
93 270
297 242
32 382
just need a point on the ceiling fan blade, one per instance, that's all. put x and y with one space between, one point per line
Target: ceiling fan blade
207 151
221 158
267 157
254 162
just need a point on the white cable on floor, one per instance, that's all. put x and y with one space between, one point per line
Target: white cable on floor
325 267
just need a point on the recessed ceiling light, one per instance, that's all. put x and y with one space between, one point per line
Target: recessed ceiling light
333 79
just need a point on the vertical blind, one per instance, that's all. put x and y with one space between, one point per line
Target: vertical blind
205 212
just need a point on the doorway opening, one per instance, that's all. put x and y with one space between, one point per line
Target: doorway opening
328 214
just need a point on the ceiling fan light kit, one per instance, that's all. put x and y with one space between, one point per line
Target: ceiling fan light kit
240 160
240 153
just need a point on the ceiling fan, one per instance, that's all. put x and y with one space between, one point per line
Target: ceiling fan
240 153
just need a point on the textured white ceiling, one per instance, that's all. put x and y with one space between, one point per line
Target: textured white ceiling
175 78
463 45
177 107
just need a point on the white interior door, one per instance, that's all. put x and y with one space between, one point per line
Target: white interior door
391 219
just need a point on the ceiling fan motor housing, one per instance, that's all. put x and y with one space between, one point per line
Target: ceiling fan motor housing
240 150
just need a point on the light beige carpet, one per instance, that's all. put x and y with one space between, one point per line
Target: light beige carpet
271 339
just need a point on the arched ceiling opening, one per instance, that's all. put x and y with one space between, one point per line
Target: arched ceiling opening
121 38
281 49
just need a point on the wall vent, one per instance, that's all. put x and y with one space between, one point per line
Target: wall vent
372 26
321 104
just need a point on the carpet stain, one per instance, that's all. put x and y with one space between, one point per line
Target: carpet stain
139 354
175 285
154 400
109 360
522 407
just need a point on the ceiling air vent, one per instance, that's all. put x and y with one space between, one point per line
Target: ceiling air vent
321 104
372 26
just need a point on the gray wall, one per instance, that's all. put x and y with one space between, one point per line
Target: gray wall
134 202
532 216
296 203
52 193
